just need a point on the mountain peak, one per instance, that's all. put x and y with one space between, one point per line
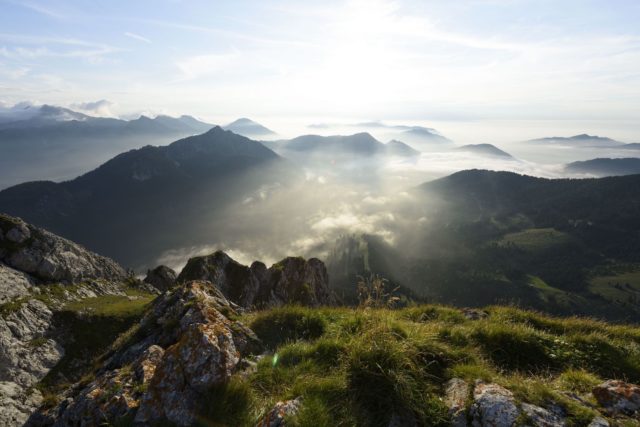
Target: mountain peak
249 128
485 150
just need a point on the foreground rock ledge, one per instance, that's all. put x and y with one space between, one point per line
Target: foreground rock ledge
188 347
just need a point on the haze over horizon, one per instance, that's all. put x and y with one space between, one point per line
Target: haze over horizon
478 71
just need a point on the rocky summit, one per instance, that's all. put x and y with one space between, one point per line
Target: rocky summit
48 257
293 280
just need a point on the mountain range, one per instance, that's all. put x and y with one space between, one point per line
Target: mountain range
343 147
78 142
492 237
605 167
151 198
583 140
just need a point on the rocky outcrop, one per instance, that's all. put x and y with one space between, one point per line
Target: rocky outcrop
292 280
542 417
281 410
32 260
162 278
26 355
599 422
456 393
13 284
618 397
16 403
51 258
186 346
493 406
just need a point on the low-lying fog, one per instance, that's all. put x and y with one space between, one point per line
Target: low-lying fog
374 196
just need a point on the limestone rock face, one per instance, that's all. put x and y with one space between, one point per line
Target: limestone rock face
189 345
493 406
31 259
162 278
13 284
17 403
456 392
541 417
618 397
598 422
22 361
292 280
276 417
26 356
51 258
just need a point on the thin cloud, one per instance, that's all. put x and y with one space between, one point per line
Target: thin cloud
101 108
137 37
38 8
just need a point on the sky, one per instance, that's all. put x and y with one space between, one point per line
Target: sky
466 65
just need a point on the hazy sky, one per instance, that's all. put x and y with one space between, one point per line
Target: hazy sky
376 59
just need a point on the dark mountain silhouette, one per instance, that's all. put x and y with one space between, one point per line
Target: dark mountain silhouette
485 150
605 167
150 199
492 237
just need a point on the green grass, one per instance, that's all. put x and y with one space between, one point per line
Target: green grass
282 325
115 306
623 287
358 367
535 239
92 325
12 306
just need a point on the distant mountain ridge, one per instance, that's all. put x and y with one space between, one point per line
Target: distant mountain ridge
57 143
361 145
605 167
578 140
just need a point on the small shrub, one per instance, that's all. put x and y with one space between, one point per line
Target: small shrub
324 353
516 347
471 372
50 400
12 306
228 404
383 378
433 312
605 356
578 380
373 293
286 324
38 342
313 413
